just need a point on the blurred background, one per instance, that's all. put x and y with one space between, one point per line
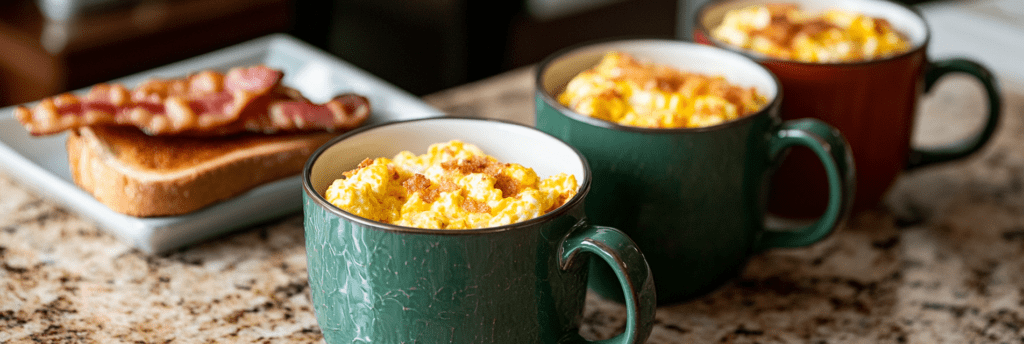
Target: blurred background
422 46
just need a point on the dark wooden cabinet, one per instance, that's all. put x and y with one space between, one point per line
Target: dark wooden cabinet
426 46
419 46
40 57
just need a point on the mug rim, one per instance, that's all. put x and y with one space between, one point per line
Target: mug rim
762 58
307 184
550 100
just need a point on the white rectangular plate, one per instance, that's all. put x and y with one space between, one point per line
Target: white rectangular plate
41 162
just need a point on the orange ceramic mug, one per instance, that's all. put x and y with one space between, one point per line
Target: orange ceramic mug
872 103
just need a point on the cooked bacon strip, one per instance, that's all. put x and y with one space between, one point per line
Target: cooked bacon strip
206 103
346 108
199 102
285 110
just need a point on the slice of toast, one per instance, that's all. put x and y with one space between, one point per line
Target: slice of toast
141 175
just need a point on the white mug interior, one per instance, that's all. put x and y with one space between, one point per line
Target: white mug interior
510 143
902 18
685 56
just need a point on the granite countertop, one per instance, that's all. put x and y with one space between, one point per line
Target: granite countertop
940 262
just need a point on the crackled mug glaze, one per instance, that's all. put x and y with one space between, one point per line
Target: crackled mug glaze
693 199
519 283
873 103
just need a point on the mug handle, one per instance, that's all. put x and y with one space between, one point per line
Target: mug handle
833 151
927 156
619 251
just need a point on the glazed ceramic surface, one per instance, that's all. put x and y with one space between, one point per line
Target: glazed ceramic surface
872 103
520 283
692 199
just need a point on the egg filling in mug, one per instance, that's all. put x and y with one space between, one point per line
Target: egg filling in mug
692 199
519 275
624 90
455 185
787 31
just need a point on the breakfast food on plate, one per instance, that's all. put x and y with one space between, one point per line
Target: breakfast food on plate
785 31
171 147
141 175
454 185
206 103
626 91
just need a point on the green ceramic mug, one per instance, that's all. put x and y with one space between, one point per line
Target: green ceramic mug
692 199
519 283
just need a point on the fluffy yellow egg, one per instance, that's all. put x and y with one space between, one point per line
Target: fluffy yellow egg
623 90
454 185
786 32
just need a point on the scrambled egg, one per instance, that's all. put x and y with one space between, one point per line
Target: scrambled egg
453 186
622 90
784 31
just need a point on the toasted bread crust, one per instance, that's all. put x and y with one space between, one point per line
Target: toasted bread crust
144 176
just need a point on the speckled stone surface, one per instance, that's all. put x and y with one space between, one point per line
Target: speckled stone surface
941 262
